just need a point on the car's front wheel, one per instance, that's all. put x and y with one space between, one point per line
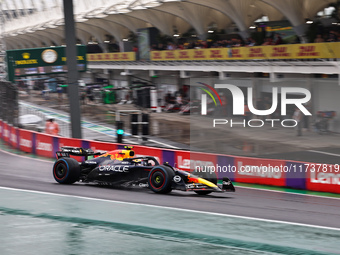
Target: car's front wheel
160 179
66 170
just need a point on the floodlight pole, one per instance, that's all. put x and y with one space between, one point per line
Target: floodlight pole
72 74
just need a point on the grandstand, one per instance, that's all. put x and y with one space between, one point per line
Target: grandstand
112 32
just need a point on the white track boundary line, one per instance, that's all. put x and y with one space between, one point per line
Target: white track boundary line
326 153
22 156
154 141
167 145
173 208
278 191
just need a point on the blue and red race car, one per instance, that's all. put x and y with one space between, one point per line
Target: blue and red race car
121 168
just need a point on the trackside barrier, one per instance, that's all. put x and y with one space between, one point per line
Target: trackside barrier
292 174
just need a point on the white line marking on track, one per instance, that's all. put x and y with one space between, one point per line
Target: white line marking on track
278 191
167 145
175 209
326 153
22 156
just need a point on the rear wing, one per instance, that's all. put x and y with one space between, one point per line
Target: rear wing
76 151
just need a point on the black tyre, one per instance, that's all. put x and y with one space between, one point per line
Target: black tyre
160 179
209 176
66 170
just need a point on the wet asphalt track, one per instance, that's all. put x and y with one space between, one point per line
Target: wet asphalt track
28 173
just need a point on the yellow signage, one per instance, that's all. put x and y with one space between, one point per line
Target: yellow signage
26 55
117 56
26 62
283 51
78 58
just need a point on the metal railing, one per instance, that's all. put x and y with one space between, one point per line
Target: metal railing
64 127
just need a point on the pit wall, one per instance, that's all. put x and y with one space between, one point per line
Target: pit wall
291 174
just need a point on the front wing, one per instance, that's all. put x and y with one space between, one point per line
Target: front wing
188 182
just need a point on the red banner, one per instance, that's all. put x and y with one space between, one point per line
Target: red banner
260 171
189 161
1 123
323 177
182 160
102 147
44 145
5 131
13 137
69 142
25 140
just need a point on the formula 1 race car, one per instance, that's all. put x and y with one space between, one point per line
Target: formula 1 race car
121 168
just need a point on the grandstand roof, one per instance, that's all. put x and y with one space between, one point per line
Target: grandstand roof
36 23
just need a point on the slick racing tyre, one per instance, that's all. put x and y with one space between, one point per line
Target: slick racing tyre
209 176
160 179
66 170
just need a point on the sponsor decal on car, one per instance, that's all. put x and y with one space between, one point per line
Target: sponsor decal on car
143 185
177 178
91 162
122 169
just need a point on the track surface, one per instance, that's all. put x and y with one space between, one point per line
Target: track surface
28 173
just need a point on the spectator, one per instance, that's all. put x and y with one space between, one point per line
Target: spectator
236 42
83 97
247 113
179 100
268 41
168 98
90 94
297 116
332 36
277 39
51 127
160 46
171 46
60 93
319 39
250 42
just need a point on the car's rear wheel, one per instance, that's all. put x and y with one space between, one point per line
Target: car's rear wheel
66 170
160 179
209 176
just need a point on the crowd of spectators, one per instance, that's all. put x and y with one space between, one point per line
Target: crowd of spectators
331 36
320 35
275 39
228 43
